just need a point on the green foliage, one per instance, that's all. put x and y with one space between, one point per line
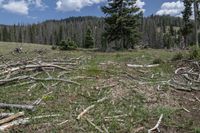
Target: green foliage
103 42
178 56
158 61
89 41
187 13
168 41
194 54
122 22
53 47
67 45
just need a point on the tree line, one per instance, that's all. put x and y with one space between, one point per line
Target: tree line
123 27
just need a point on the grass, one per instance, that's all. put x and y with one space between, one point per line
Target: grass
126 107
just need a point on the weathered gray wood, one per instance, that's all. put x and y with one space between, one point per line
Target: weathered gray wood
11 117
17 106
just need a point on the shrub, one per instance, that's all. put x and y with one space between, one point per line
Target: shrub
53 47
194 54
67 45
178 56
158 61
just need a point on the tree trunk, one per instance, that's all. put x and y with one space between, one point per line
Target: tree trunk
185 42
196 22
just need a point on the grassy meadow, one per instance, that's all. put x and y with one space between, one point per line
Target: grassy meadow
135 97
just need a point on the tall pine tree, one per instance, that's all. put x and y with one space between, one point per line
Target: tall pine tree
122 22
89 41
187 28
196 18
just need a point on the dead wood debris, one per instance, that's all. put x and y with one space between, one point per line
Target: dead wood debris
90 107
142 66
15 120
33 72
187 77
15 72
156 127
95 126
10 106
11 117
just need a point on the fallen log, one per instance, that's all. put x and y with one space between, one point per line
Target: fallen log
142 66
23 121
17 106
3 115
14 123
11 117
4 81
32 67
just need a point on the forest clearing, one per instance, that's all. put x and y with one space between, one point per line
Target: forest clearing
44 90
100 66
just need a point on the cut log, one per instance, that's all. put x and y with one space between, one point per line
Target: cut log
17 106
11 117
4 81
3 115
33 67
23 121
142 66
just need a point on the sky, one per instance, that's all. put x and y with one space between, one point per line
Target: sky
34 11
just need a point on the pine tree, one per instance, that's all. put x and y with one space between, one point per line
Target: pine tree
122 22
187 28
196 18
89 41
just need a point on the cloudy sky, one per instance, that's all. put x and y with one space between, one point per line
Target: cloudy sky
32 11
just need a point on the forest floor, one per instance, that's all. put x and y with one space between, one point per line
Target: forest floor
121 99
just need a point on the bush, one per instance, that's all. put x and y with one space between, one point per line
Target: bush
67 45
158 61
53 47
194 54
178 56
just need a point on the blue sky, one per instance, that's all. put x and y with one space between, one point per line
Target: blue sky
33 11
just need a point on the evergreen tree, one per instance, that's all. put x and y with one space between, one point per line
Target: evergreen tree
196 18
89 41
5 34
122 22
187 28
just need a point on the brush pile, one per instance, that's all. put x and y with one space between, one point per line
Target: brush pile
187 77
29 71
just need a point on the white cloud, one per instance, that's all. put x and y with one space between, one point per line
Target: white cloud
19 7
171 8
77 5
140 4
74 5
37 3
